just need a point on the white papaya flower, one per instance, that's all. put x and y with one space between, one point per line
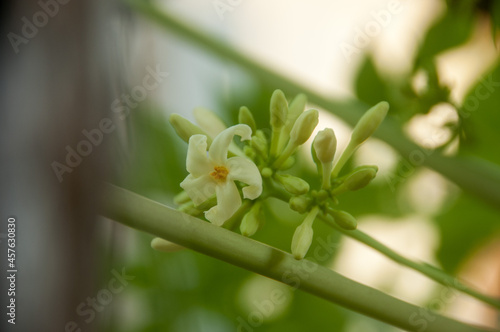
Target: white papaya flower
213 173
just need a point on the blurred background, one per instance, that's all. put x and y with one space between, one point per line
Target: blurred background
101 73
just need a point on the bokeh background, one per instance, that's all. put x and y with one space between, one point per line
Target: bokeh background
434 61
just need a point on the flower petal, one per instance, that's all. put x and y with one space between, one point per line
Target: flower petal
209 121
218 150
244 170
200 188
228 202
197 162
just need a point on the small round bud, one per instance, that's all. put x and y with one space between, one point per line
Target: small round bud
252 220
246 117
293 184
185 129
369 122
343 219
360 177
304 127
300 203
279 109
266 172
325 144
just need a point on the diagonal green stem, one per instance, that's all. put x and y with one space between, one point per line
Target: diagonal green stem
424 268
159 220
474 176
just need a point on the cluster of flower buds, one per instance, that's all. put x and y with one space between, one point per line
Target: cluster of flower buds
260 165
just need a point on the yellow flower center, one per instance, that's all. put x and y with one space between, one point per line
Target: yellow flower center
220 173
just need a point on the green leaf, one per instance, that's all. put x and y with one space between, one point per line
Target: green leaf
370 87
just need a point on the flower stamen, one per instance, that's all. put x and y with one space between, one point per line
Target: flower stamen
220 173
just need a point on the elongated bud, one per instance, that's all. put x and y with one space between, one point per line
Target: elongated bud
165 246
252 220
302 238
293 184
246 117
360 177
279 109
369 122
296 108
185 129
343 219
300 203
259 144
181 198
304 127
288 163
301 241
325 144
319 164
209 121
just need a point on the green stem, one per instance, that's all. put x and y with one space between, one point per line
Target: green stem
426 269
289 150
275 140
326 171
474 176
344 157
159 220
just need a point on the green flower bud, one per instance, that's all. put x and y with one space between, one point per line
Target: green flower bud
369 122
249 152
300 203
181 198
259 144
302 238
319 165
325 144
323 150
164 245
185 129
279 109
360 177
252 220
304 127
301 241
246 117
293 184
296 108
343 219
266 172
288 163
